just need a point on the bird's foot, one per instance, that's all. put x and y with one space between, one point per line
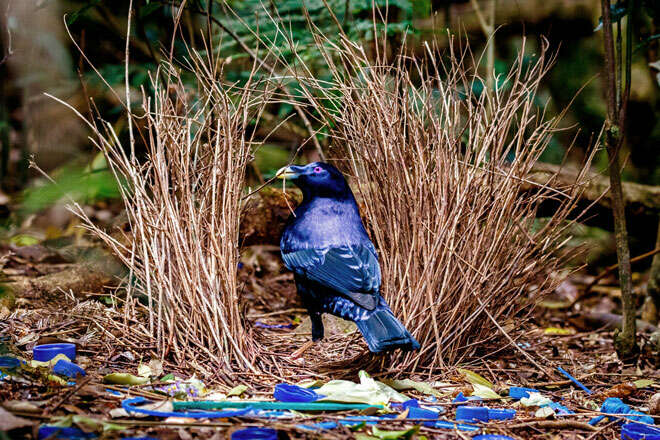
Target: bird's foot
298 353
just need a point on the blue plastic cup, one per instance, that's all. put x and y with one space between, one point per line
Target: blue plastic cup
636 431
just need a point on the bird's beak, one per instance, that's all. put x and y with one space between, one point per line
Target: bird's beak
287 173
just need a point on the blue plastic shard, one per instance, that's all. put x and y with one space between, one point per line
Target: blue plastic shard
462 398
443 424
285 392
520 392
254 434
483 414
492 437
574 380
68 369
422 413
59 432
9 362
559 408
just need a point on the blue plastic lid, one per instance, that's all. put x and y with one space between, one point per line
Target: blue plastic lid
520 392
410 403
46 352
635 431
255 434
472 413
501 414
285 392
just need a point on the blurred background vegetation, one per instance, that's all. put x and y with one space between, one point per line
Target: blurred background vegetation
38 56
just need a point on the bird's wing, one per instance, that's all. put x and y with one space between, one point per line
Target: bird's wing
353 271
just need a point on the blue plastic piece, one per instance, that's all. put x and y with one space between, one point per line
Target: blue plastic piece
483 414
9 362
129 407
139 438
347 421
46 352
255 434
520 392
501 414
635 431
264 325
68 369
72 433
462 398
559 408
422 413
285 392
443 424
472 414
411 403
574 380
614 405
492 437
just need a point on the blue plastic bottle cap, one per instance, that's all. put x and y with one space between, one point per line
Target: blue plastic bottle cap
9 362
254 434
472 413
635 431
46 352
520 392
501 414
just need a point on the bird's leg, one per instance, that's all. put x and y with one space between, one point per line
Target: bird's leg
317 334
317 326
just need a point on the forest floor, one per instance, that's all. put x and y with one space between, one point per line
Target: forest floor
57 301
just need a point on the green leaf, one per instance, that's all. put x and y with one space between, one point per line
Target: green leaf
237 390
124 379
643 383
167 377
475 378
393 435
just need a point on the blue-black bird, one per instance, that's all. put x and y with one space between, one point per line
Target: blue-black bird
334 262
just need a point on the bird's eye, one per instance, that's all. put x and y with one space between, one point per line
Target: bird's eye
318 169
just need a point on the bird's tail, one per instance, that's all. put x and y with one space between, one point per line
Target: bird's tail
383 332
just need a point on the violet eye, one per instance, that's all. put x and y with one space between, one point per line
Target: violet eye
317 169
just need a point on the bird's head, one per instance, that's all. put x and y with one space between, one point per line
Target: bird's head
317 179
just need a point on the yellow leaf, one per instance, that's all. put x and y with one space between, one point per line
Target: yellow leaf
643 383
237 390
558 331
475 378
484 392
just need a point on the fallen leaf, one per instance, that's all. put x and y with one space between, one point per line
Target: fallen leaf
8 421
484 392
558 331
408 384
475 378
237 390
620 390
544 412
153 369
124 379
643 383
393 435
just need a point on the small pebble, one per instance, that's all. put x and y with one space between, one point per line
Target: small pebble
654 405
